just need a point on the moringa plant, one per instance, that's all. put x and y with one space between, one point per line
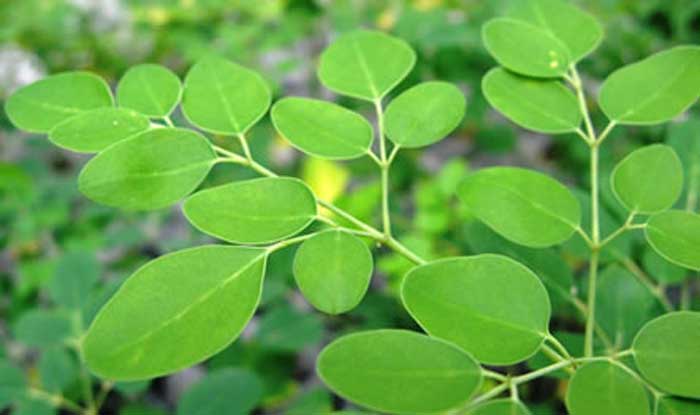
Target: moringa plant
490 310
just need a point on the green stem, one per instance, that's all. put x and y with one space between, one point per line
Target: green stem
168 121
244 145
560 347
619 231
291 241
590 319
57 401
494 375
685 294
656 290
384 167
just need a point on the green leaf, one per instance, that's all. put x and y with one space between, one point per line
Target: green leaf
675 235
12 384
489 305
661 269
603 388
500 407
150 89
42 328
525 49
524 206
253 211
545 106
58 369
399 371
150 171
654 90
649 180
321 128
175 311
314 401
40 106
667 353
34 406
333 270
365 64
93 131
287 330
222 97
684 137
75 276
577 30
623 305
673 406
424 114
226 391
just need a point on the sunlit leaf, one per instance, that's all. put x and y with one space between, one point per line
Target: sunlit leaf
150 89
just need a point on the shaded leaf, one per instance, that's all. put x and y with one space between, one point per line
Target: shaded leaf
227 391
675 235
603 388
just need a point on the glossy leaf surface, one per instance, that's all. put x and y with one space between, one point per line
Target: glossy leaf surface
333 271
321 128
524 206
152 170
40 106
649 180
365 64
175 311
667 353
253 211
545 106
223 97
424 114
93 131
399 371
489 305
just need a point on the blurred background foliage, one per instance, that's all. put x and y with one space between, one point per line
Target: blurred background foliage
52 238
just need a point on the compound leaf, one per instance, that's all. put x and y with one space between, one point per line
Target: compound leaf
321 128
489 305
175 311
149 171
524 206
603 388
253 211
525 48
365 64
649 180
578 30
500 407
654 90
399 371
150 89
222 97
667 353
424 114
93 131
675 235
333 270
40 106
230 391
541 105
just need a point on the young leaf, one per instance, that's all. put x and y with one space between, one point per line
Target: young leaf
525 49
524 206
578 30
424 114
93 131
667 353
545 106
222 97
333 270
150 89
500 407
654 90
489 305
227 391
40 106
603 388
623 305
673 406
175 311
321 128
253 211
649 180
365 64
149 171
399 371
675 235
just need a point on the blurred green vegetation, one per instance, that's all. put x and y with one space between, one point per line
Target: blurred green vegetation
50 234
